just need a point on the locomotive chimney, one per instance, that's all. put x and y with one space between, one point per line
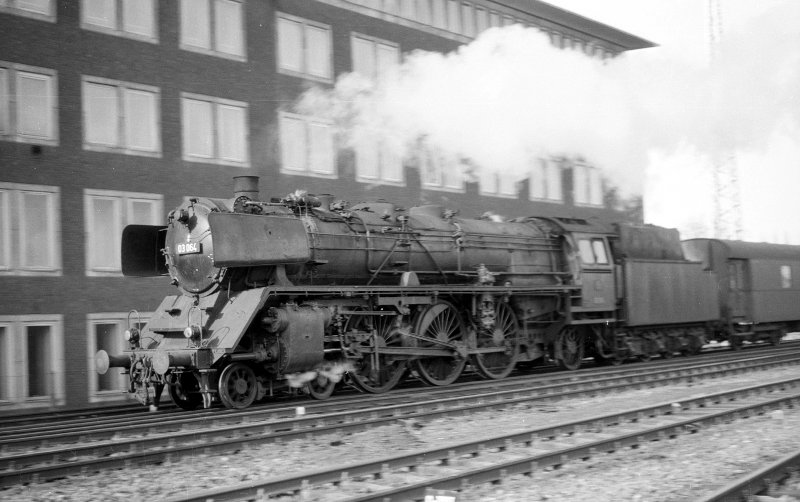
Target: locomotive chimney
246 186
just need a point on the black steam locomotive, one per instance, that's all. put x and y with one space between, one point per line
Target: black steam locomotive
303 292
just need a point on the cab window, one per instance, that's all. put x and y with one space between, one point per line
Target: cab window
593 251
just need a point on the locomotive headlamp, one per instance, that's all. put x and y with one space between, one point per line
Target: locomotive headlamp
193 331
182 215
132 335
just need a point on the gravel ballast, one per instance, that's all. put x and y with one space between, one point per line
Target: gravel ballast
681 469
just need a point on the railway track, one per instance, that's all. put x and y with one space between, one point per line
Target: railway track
762 481
412 475
33 454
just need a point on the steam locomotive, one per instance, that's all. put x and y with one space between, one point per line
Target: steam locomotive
302 292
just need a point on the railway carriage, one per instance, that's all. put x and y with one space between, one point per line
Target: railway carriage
302 292
758 286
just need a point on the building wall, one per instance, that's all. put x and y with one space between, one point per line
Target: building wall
66 302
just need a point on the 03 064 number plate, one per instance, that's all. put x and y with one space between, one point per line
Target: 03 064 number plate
189 248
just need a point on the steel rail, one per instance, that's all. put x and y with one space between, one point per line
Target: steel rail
99 428
163 431
757 482
381 469
169 446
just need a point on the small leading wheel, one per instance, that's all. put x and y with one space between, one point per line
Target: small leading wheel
185 391
570 342
320 387
496 365
376 372
238 386
440 326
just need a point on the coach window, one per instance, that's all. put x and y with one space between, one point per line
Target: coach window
107 213
304 48
43 10
214 27
786 276
121 117
127 18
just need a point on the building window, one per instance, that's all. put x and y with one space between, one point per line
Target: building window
214 27
786 276
439 14
38 9
468 19
307 145
32 359
481 20
423 11
373 57
215 130
439 172
121 117
28 104
499 184
587 186
545 181
107 213
304 48
105 332
454 16
29 230
127 18
494 19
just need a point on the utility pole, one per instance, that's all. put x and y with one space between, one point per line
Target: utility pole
727 194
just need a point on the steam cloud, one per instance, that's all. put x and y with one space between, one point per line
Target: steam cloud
510 97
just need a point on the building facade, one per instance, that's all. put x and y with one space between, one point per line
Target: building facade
113 111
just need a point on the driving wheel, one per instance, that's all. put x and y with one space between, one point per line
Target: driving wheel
440 326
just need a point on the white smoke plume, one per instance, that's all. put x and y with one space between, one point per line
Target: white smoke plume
510 97
328 371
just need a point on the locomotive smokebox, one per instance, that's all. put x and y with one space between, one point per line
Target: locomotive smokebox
246 186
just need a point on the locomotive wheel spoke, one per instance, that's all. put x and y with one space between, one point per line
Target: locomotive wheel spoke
495 365
185 392
572 348
237 386
440 322
377 373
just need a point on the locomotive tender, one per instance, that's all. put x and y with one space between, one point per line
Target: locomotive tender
301 292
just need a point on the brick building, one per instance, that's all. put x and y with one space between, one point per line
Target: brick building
113 111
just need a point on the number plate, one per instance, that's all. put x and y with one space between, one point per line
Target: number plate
189 248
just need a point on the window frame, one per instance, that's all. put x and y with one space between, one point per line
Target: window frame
440 162
119 22
13 240
16 366
10 7
123 130
13 123
497 190
123 218
304 71
212 30
551 173
307 121
216 156
120 319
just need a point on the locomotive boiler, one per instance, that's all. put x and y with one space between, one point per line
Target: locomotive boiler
302 292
